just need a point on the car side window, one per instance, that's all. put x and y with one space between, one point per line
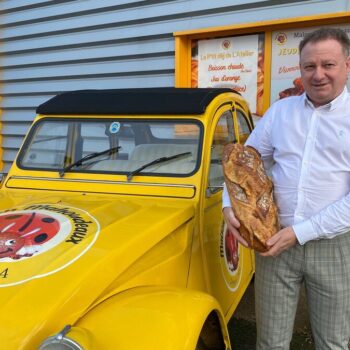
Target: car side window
243 126
223 134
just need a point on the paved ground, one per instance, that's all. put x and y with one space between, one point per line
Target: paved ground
242 325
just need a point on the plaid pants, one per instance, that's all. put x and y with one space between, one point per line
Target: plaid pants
324 267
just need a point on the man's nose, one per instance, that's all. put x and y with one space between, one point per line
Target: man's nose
318 73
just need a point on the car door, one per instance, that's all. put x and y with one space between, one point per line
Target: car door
229 265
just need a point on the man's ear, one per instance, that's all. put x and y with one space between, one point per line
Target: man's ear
348 64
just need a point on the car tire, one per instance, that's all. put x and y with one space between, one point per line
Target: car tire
211 337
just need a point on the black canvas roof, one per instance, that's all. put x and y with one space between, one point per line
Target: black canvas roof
144 101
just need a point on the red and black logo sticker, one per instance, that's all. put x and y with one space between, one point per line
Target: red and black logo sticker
230 258
34 235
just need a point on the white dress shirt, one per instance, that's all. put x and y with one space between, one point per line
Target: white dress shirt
307 152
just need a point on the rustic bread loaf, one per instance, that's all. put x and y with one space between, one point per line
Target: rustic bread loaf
251 194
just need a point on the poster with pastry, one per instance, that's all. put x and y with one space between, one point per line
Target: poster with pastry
231 62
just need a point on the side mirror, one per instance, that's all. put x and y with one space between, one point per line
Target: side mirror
2 179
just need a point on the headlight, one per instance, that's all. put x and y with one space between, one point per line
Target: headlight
60 342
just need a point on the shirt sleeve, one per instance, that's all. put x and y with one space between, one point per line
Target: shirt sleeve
330 222
226 202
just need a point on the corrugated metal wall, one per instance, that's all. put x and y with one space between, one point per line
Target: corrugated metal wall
52 46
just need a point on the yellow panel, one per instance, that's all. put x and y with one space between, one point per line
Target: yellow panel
267 71
182 61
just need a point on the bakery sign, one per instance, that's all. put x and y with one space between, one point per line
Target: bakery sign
233 62
40 239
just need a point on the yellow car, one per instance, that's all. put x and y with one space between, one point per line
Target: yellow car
111 231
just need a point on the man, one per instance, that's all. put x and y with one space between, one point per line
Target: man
305 141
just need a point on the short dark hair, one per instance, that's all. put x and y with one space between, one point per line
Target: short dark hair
325 34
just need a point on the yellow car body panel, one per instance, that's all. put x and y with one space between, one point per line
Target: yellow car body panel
129 261
152 318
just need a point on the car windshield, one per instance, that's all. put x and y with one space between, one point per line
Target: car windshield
60 144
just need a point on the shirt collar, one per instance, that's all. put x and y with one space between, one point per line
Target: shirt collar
331 105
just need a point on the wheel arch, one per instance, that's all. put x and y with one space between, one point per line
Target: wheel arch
155 317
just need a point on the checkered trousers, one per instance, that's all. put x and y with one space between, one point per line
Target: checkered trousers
324 267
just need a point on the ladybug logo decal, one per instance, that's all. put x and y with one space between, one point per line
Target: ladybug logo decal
22 235
42 239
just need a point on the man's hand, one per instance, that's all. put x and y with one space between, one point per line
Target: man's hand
233 225
281 241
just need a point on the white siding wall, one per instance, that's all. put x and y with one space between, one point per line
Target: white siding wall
52 46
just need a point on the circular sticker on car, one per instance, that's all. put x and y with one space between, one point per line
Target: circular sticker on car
230 258
41 239
114 127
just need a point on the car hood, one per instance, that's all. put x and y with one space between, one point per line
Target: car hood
60 256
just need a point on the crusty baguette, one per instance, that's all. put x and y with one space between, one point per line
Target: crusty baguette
251 194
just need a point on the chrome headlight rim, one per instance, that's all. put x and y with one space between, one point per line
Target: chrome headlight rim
60 339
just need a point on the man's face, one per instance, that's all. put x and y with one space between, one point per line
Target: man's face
324 69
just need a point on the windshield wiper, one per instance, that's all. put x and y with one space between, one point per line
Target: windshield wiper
156 161
89 156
